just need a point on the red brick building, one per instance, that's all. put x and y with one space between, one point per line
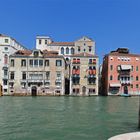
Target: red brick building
121 73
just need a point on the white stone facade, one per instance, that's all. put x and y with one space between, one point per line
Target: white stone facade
8 46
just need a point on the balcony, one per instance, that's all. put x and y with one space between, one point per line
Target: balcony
35 80
125 81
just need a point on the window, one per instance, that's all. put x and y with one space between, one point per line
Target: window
12 75
132 68
90 61
6 48
4 82
46 41
12 63
72 50
58 62
131 85
79 49
5 72
23 63
47 75
6 40
137 86
36 62
31 62
58 75
91 90
137 78
67 50
84 50
76 90
40 62
39 41
46 62
5 59
111 77
62 50
132 78
24 75
111 67
36 53
90 48
118 77
137 68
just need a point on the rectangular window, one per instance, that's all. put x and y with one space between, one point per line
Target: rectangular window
58 63
5 82
111 67
36 62
137 78
5 72
137 86
47 75
90 61
137 68
6 48
46 62
12 75
58 75
111 77
131 85
24 75
39 41
132 68
23 63
40 62
45 41
12 63
31 62
6 40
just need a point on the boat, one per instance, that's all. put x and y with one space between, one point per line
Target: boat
125 95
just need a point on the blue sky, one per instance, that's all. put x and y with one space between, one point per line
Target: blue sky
111 23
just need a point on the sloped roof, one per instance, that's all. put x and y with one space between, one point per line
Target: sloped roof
23 52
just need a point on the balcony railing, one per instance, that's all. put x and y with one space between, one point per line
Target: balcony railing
125 82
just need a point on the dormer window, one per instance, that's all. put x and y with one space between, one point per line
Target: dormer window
36 53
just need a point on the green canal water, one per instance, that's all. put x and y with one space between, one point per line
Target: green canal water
66 118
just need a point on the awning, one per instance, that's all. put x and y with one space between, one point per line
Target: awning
115 85
126 67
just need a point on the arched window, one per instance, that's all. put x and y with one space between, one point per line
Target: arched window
62 50
5 59
72 50
67 50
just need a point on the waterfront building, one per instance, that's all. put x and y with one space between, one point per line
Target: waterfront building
120 73
81 60
84 74
8 46
37 73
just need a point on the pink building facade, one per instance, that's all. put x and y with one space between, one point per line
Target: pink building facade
121 73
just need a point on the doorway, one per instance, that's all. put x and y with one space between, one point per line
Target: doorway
84 90
125 90
34 91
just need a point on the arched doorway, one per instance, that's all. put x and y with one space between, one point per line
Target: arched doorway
34 91
84 90
125 90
